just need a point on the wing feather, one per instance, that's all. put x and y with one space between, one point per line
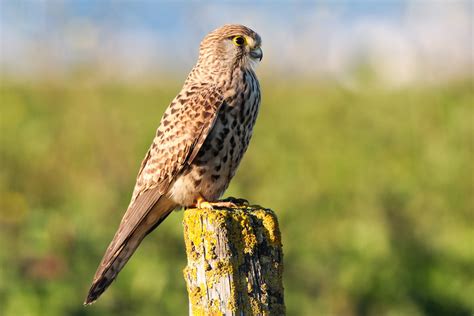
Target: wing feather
182 131
190 124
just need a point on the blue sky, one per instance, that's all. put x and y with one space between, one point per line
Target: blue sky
168 15
319 38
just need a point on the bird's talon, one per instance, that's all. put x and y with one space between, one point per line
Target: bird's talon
225 204
205 205
237 201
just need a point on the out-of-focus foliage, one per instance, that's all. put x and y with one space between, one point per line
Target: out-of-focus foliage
373 189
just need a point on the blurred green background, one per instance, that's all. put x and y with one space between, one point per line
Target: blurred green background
371 177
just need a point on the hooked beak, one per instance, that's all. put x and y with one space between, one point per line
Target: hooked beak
256 53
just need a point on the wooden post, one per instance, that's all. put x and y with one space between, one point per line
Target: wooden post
235 262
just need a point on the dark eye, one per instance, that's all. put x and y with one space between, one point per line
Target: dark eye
239 40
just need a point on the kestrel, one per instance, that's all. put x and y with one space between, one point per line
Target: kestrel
201 139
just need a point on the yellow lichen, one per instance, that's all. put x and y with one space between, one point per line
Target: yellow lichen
256 307
193 228
248 235
270 223
196 299
219 270
222 241
215 308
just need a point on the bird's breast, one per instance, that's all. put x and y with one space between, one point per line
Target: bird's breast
210 173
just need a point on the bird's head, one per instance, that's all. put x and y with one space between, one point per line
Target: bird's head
231 46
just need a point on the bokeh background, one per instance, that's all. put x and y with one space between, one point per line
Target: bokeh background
364 148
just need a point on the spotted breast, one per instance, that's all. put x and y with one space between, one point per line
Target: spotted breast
209 175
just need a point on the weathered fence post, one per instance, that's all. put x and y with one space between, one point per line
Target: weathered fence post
235 262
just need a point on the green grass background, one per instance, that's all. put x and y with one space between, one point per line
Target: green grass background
373 188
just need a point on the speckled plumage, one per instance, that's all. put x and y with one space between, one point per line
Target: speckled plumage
198 146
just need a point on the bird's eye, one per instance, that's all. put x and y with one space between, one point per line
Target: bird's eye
239 40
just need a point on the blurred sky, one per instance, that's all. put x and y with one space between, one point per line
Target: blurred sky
402 41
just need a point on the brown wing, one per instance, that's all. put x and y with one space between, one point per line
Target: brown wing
182 131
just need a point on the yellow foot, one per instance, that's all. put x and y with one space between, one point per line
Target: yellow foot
236 201
224 204
227 203
202 204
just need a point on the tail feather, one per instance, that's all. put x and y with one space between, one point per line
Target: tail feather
114 260
105 278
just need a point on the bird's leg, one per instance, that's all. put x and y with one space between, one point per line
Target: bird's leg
236 201
228 202
224 203
203 204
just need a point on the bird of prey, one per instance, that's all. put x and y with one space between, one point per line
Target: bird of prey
199 143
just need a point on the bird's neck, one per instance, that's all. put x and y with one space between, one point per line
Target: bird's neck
216 73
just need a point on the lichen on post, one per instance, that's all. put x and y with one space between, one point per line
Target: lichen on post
235 261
